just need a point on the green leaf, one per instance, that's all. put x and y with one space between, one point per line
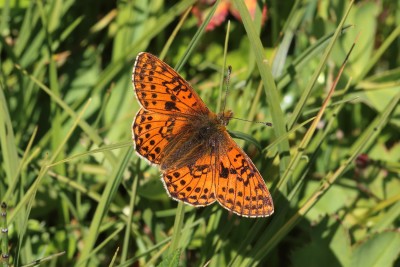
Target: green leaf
172 260
329 246
380 250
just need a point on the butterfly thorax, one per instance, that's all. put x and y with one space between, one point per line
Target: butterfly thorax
202 135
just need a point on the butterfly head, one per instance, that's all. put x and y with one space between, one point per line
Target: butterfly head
224 117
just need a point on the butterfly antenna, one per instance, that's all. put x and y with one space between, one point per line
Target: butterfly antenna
228 76
261 122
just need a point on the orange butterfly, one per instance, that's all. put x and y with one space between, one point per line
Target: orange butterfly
199 161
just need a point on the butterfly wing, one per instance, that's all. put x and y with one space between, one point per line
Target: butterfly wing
239 187
152 132
193 184
159 88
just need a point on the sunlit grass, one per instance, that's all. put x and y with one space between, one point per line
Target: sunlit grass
73 183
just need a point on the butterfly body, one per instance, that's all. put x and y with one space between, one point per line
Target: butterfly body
199 161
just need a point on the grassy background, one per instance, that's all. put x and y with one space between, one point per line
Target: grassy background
73 183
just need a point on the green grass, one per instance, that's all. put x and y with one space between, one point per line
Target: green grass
78 195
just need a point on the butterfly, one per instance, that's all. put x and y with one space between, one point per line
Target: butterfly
199 161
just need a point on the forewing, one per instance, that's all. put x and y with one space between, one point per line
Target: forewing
193 184
152 132
239 186
159 88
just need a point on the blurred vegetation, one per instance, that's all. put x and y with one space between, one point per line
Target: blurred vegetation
73 183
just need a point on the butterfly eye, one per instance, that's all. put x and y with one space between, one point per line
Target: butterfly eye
225 117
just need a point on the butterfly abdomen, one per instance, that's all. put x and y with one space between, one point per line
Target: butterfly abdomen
198 138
